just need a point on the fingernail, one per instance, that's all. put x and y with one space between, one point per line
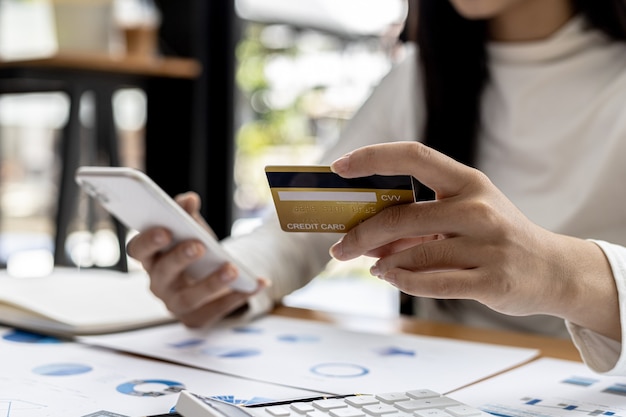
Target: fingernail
336 250
159 237
340 165
192 250
390 277
228 275
375 270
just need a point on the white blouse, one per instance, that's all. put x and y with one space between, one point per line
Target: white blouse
552 138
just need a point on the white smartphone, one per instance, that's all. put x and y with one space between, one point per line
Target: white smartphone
139 203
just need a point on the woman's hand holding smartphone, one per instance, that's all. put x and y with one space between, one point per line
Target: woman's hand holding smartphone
140 204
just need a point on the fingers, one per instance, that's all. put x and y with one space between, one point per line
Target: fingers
442 174
145 246
446 254
467 202
491 252
468 284
167 270
400 245
210 313
398 226
456 284
186 295
451 268
392 226
195 302
202 302
191 203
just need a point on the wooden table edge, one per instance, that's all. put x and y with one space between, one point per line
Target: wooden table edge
551 347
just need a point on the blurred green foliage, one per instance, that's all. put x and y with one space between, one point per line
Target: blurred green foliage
267 126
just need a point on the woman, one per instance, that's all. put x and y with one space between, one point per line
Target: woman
531 93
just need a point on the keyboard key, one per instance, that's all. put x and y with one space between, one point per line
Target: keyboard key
317 413
379 409
346 412
420 394
361 400
432 412
278 411
301 407
413 405
463 411
392 397
329 404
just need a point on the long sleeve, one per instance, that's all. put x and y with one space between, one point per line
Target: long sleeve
291 260
552 139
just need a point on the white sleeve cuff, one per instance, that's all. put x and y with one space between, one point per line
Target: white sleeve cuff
258 305
600 353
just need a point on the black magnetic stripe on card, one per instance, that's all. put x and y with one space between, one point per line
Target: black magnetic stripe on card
332 180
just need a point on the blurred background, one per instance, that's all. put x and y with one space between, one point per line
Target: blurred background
299 70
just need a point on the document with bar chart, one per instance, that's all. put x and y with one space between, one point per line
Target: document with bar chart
549 388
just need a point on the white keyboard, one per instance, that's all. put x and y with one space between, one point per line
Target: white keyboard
415 403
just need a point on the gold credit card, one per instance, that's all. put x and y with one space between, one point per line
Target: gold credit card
315 199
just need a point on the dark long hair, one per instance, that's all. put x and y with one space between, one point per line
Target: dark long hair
454 69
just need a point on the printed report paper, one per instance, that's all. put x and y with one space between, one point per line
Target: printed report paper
321 356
